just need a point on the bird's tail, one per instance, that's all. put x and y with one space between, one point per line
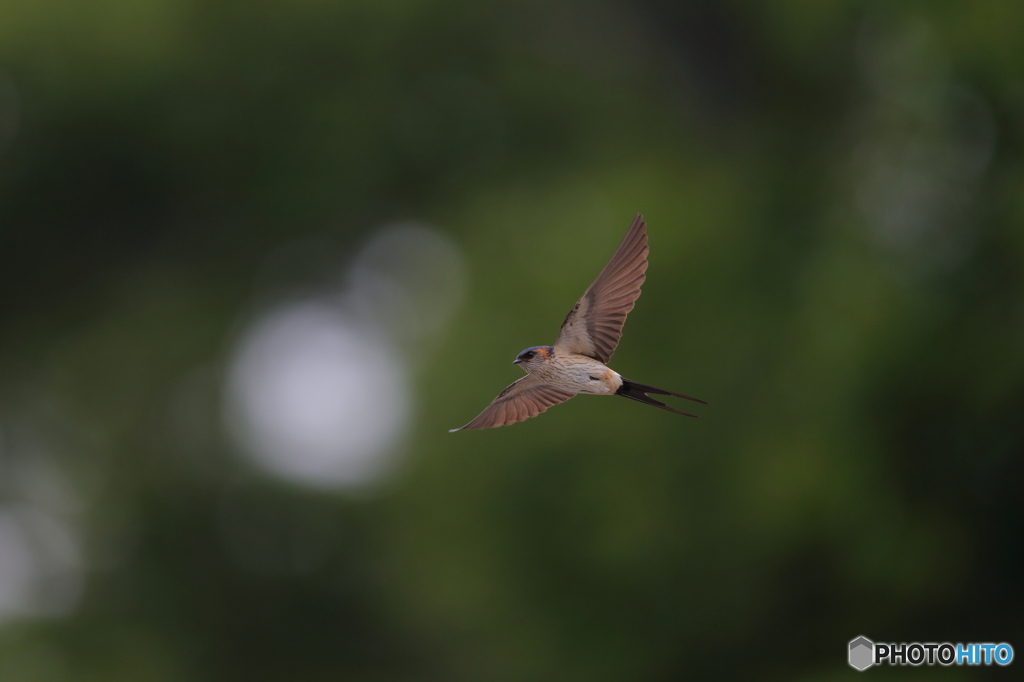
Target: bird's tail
637 391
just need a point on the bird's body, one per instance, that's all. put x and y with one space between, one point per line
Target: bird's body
572 372
577 362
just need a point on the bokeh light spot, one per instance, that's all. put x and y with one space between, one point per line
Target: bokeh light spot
315 398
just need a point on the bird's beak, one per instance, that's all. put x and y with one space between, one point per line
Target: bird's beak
516 361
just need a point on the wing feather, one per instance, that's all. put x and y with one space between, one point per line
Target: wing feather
521 400
594 326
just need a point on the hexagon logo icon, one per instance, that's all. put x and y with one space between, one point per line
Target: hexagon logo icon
862 652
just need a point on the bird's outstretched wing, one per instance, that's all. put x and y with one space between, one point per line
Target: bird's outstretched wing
594 325
521 400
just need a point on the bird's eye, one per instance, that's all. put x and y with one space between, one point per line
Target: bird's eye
528 356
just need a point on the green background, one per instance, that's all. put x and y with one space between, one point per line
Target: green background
834 193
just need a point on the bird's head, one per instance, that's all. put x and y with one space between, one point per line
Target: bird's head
531 357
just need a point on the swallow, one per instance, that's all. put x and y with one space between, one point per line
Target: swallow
577 363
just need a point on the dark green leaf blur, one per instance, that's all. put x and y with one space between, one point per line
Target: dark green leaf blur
257 258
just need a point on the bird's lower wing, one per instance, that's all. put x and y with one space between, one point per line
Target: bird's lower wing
523 399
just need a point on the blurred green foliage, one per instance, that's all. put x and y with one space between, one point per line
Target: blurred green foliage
835 200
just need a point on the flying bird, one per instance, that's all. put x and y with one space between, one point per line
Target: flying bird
577 363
